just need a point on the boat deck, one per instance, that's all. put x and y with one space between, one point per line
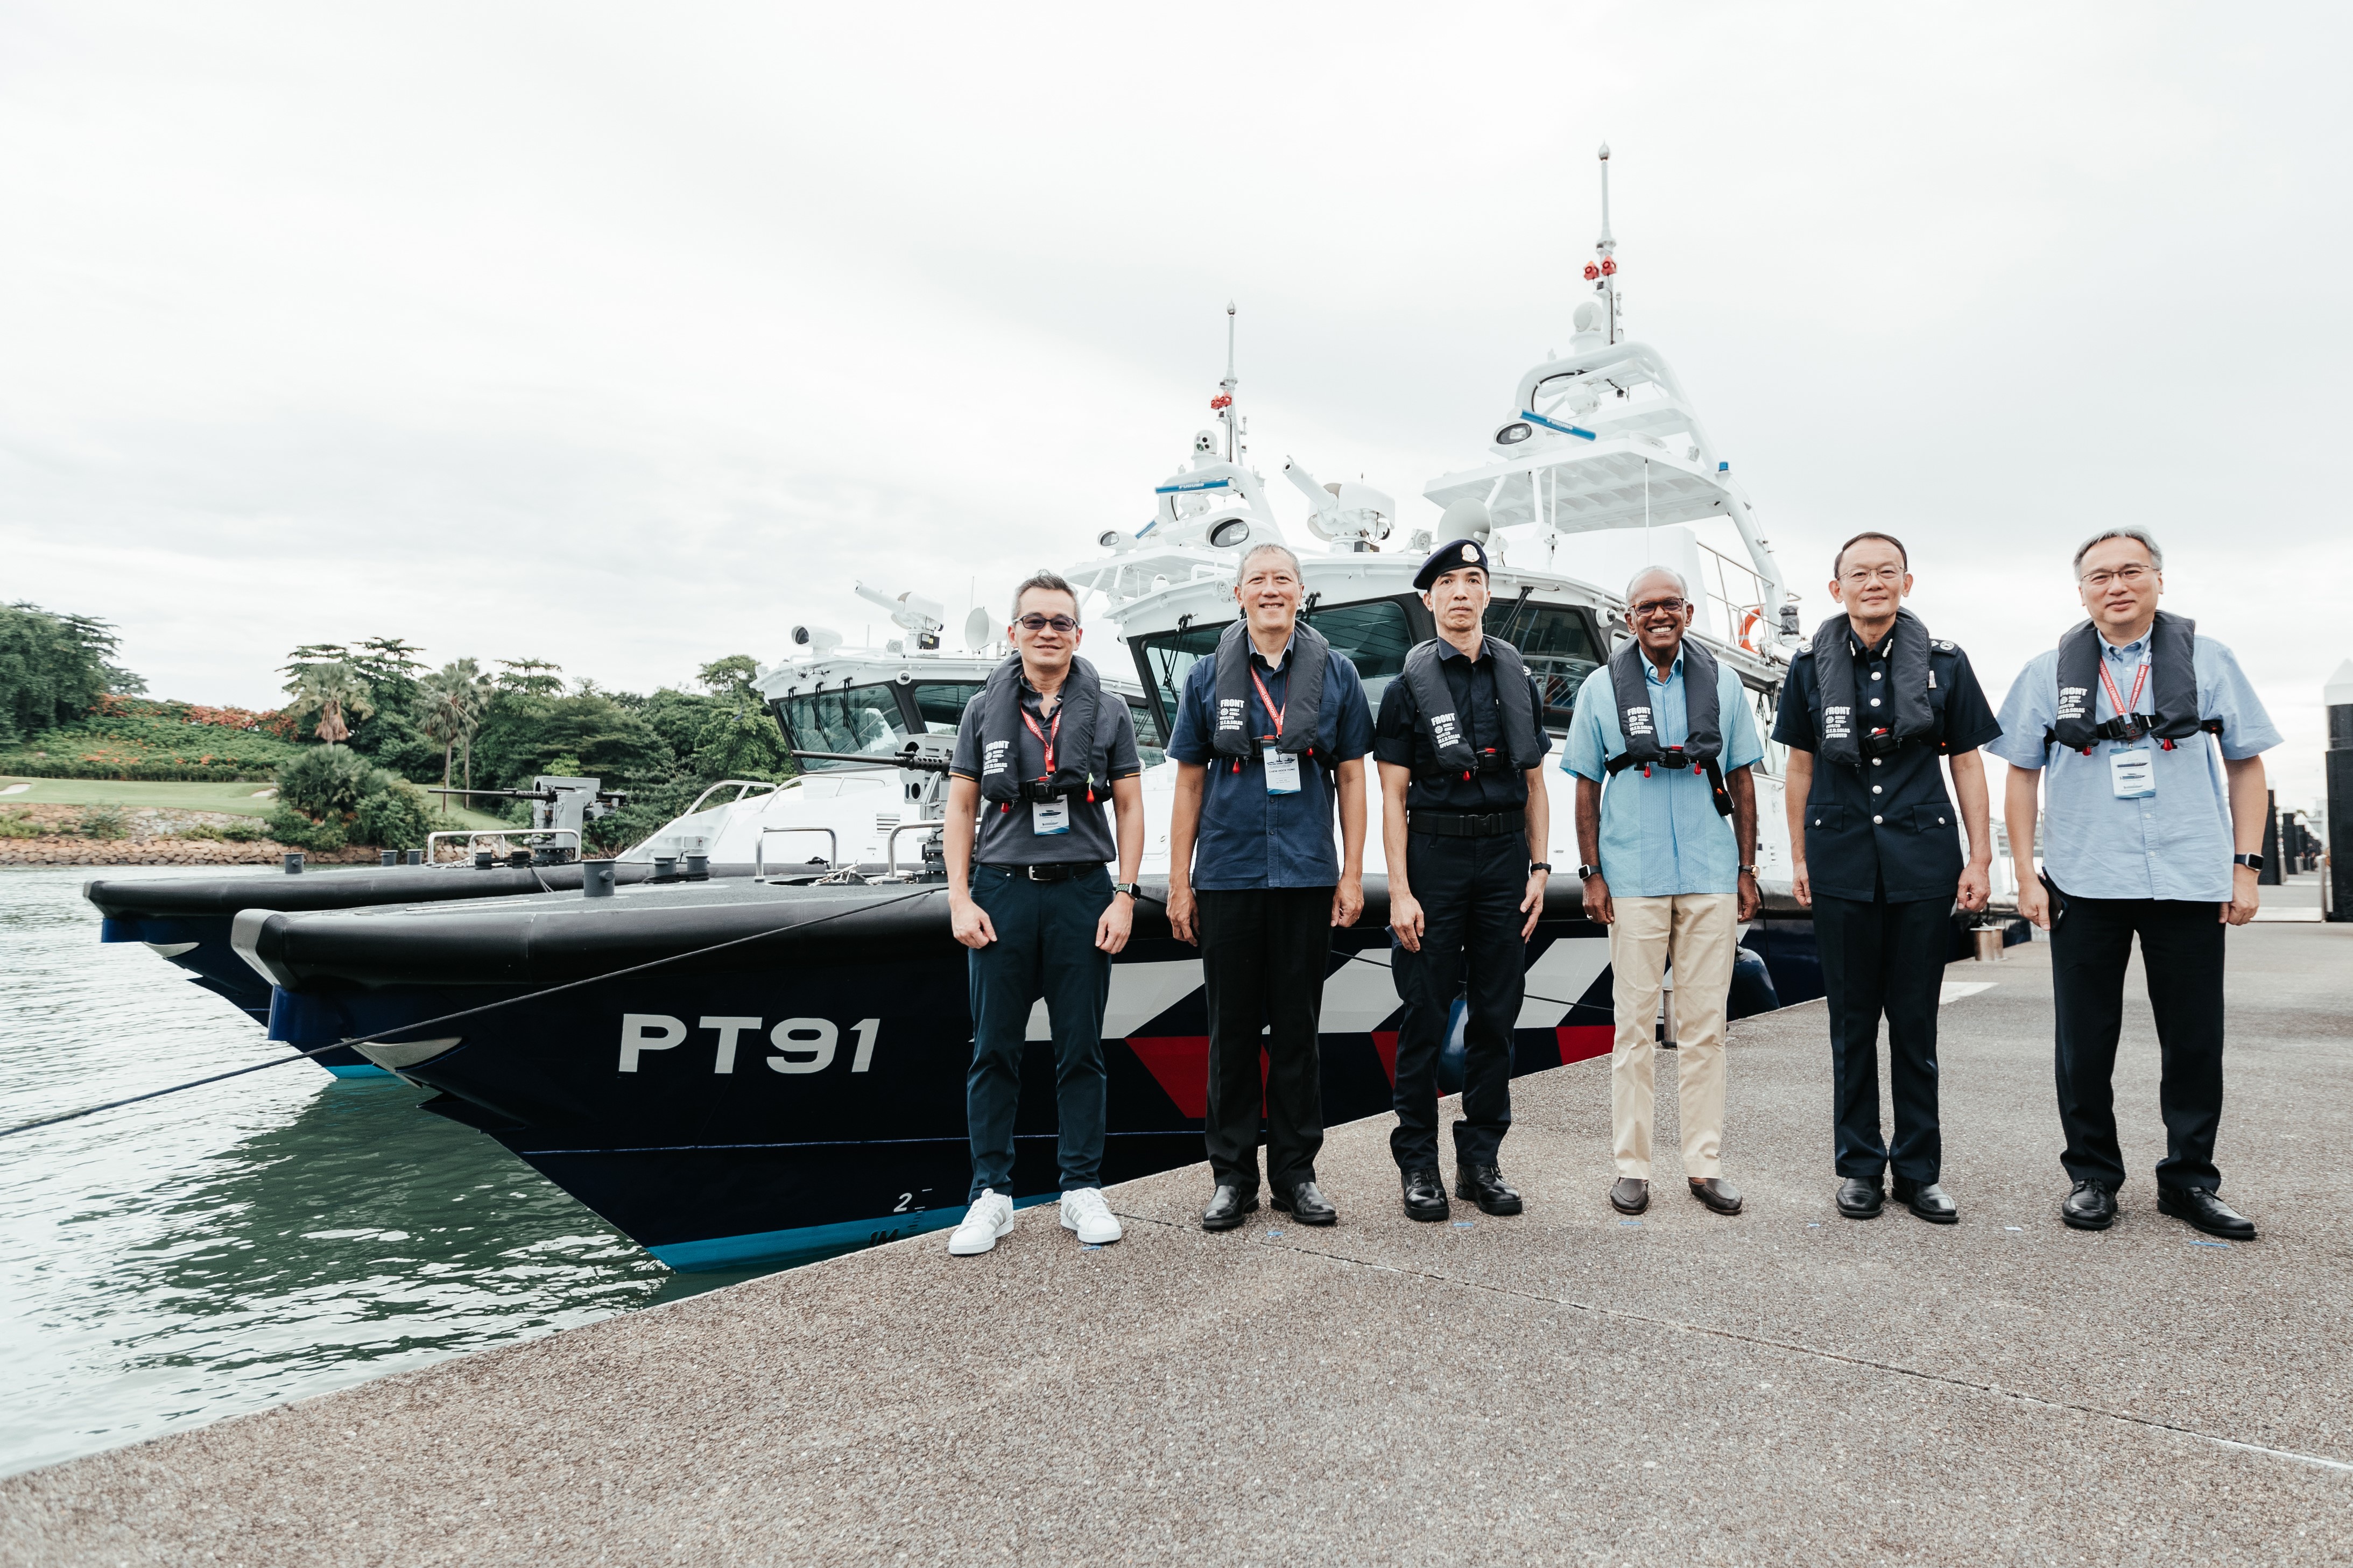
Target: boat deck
1781 1386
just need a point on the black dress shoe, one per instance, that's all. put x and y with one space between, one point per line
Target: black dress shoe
1715 1194
2203 1211
1484 1185
1227 1207
1927 1200
1425 1196
1629 1194
1307 1205
2091 1206
1859 1199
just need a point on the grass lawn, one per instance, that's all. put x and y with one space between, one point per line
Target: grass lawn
238 799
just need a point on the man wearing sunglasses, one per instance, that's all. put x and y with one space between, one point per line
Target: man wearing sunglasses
1869 709
1666 820
1269 742
1038 753
2143 741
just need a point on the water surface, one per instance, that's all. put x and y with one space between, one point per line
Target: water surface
249 1241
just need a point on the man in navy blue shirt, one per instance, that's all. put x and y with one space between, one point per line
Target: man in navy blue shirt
1270 735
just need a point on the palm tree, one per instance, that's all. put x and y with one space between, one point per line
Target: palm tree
336 692
449 703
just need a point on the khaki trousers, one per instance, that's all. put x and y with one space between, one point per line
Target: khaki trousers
1695 933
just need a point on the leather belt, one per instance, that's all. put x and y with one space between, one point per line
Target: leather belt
1059 872
1463 825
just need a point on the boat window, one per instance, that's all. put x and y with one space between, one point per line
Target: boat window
1767 703
1373 634
1165 657
858 719
941 704
1150 745
1559 644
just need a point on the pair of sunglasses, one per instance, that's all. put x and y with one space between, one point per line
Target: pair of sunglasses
1039 623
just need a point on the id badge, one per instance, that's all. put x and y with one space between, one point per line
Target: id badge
1281 772
2132 773
1050 816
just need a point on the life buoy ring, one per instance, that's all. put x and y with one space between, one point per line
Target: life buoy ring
1748 625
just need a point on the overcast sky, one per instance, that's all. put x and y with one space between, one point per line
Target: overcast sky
628 337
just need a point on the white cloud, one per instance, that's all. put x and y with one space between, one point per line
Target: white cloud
628 339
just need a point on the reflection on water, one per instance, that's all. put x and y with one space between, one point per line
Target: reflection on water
254 1241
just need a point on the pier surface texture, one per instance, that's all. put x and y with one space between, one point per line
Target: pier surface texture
1782 1386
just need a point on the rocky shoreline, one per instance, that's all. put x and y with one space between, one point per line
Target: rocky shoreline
152 836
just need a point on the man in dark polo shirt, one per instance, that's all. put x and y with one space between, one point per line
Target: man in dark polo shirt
1464 819
1270 735
1038 753
1867 712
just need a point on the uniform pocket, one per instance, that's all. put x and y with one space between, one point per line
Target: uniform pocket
1825 818
1933 818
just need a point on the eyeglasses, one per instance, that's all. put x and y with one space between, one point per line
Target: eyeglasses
1034 623
1656 606
1862 576
2130 576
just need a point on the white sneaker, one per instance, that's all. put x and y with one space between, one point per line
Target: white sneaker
990 1217
1085 1211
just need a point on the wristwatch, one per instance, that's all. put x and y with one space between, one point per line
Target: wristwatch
1544 866
1584 871
1132 890
1748 871
2252 862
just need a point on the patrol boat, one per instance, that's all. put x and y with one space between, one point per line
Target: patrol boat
774 1069
854 701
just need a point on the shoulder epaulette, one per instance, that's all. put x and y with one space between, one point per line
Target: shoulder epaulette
1943 645
1805 652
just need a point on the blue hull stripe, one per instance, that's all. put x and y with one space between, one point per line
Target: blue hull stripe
359 1069
780 1245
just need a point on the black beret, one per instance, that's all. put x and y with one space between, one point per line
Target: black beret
1450 557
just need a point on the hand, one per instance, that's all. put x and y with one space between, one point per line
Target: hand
1977 888
1347 900
1405 918
1598 907
2034 902
1752 898
1803 886
2246 897
1118 917
1180 914
969 922
1532 906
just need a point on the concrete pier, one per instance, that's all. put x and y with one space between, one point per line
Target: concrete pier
1783 1386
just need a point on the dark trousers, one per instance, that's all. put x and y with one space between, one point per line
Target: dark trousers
1045 947
1470 891
1882 960
1263 954
2182 951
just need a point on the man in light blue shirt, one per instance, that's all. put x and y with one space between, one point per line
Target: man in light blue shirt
1666 820
2144 740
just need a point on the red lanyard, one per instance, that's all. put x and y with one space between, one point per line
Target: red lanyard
1045 736
1268 697
2140 680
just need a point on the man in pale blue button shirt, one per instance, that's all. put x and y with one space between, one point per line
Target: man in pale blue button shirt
1667 825
2144 740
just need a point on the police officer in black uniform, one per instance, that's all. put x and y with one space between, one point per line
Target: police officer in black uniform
1460 743
1868 709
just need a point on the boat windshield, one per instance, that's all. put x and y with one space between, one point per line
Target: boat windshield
1373 634
1559 644
857 718
940 704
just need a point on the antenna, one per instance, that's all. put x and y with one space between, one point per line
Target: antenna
1226 387
1602 271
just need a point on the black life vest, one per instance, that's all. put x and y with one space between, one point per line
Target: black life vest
1444 747
1079 758
1302 700
1844 738
2172 689
1702 747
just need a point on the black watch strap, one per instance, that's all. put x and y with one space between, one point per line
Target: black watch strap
1584 871
1540 866
1132 890
2252 862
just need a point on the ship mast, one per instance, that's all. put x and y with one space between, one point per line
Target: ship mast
1603 268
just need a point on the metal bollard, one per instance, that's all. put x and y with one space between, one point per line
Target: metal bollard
295 863
1989 944
412 857
387 858
665 868
520 859
698 866
596 879
483 860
